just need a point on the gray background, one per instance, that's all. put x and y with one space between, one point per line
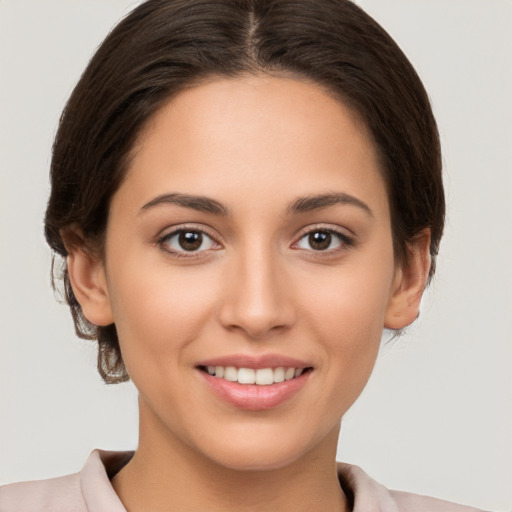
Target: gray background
436 417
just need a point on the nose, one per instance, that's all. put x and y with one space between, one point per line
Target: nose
257 298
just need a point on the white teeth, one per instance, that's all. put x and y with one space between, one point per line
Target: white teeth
265 376
246 376
289 374
261 377
279 375
231 373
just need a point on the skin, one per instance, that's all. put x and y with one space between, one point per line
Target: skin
254 144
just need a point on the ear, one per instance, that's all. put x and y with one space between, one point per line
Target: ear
409 283
87 276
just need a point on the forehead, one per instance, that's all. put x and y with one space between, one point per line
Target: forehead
254 133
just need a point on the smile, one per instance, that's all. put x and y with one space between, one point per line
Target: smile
260 376
255 384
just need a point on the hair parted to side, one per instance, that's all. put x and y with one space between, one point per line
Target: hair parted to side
165 46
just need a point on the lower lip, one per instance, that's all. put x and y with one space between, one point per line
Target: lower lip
253 397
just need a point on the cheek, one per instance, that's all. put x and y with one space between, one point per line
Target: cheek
351 348
352 331
346 312
349 303
158 308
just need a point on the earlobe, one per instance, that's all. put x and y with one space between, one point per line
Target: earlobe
409 283
87 276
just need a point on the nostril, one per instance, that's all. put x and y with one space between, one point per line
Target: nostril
256 305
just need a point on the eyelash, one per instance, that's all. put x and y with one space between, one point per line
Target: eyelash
163 241
345 241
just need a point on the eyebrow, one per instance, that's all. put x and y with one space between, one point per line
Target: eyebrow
310 203
300 205
199 203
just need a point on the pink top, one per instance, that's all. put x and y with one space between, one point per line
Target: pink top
91 491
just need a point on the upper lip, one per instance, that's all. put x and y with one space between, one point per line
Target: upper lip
256 362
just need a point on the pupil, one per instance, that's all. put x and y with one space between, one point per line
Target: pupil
190 240
320 240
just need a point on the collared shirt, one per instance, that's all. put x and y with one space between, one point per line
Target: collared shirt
90 490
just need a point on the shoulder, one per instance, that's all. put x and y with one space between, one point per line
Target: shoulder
87 491
407 502
368 495
61 494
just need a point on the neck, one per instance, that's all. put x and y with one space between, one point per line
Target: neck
168 475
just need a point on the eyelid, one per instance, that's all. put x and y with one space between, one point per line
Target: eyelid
348 240
171 231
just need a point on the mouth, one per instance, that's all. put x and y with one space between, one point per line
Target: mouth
252 376
255 383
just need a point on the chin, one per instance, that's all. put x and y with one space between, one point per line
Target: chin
255 459
267 450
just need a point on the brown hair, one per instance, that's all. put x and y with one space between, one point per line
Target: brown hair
164 46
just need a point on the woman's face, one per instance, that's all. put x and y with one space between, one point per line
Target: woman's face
252 231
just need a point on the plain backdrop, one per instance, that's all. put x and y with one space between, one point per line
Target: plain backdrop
436 417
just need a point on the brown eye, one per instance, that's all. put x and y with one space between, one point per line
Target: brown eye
190 240
187 240
320 240
323 240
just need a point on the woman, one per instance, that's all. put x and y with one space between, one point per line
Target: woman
246 194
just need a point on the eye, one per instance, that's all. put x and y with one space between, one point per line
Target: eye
187 241
323 240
